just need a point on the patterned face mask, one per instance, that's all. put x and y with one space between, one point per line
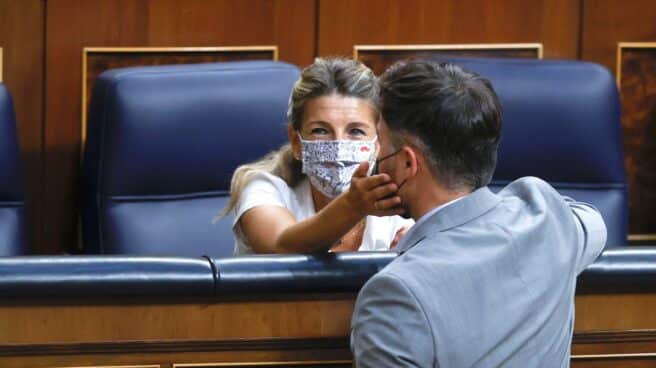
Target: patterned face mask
330 164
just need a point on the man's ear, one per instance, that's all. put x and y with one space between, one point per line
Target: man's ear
292 134
410 160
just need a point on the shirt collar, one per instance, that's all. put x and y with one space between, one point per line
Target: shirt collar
449 215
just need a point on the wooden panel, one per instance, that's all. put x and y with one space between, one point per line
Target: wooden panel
615 342
608 22
210 332
107 321
380 57
345 23
613 361
21 38
605 24
242 358
615 312
75 24
288 331
636 78
630 348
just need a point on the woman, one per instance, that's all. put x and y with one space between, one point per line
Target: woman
315 193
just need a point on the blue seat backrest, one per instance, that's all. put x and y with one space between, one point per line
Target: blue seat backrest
562 124
13 234
162 145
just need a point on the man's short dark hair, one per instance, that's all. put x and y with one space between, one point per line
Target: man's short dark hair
452 115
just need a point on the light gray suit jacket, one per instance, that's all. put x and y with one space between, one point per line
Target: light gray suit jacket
487 281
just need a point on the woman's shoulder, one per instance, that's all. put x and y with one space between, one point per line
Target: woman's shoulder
265 188
264 182
263 177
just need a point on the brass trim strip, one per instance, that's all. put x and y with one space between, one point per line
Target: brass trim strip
613 356
87 50
474 46
265 364
639 237
119 366
183 49
637 45
628 45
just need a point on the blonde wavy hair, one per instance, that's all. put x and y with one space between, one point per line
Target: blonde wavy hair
325 76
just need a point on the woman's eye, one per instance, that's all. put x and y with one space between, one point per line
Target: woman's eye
357 132
319 131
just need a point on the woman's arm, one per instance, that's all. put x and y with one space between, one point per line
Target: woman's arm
273 229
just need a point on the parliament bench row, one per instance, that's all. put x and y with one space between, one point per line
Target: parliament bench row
271 311
163 142
38 277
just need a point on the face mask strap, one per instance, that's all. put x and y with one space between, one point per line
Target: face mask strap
388 156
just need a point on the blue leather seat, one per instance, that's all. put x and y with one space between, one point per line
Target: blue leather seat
162 145
13 234
562 124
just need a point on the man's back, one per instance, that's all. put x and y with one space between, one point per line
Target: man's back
487 281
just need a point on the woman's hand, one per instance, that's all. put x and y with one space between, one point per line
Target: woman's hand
373 195
272 229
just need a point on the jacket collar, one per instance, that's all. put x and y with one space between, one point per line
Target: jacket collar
460 212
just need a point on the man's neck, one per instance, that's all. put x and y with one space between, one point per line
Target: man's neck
432 197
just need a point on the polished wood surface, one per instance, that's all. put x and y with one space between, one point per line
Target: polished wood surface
636 78
624 361
328 358
21 40
75 24
615 312
606 23
287 331
344 23
107 321
109 332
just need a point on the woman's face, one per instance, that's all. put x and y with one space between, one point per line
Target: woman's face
335 117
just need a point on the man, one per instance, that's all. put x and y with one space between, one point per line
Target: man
482 279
